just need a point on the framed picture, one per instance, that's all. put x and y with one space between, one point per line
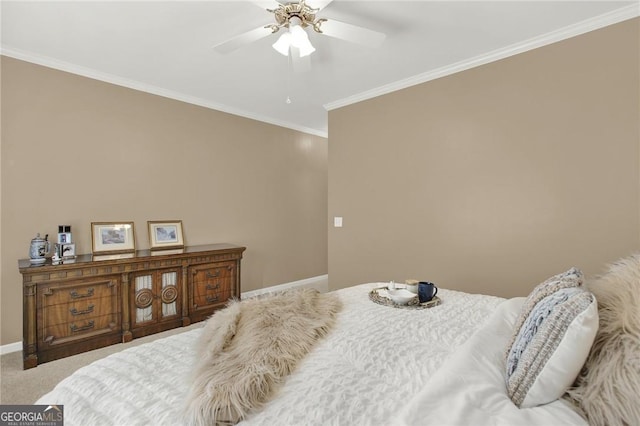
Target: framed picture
67 250
112 237
165 234
64 238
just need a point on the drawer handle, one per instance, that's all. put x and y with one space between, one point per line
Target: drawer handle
216 275
213 287
74 311
74 328
211 299
75 295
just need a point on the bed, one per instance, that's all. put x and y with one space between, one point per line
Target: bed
379 365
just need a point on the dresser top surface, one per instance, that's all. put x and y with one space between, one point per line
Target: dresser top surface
26 266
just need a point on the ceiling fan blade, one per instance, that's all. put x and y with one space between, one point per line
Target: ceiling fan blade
266 4
351 33
242 39
318 4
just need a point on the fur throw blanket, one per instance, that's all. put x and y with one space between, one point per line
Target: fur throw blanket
246 351
608 390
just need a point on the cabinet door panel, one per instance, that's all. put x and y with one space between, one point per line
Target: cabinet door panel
169 294
155 297
143 298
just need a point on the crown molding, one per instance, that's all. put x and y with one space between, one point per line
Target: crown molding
154 90
601 21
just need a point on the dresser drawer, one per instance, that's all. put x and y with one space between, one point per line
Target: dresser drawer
75 292
212 284
78 329
77 311
210 294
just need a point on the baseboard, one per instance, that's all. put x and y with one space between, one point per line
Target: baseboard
10 347
320 283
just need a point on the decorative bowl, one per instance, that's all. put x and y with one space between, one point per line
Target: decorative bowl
401 296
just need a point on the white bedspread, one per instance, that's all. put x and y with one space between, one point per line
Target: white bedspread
470 389
374 368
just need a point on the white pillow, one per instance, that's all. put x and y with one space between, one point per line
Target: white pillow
551 346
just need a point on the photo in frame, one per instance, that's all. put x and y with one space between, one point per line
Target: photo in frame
112 237
67 250
165 234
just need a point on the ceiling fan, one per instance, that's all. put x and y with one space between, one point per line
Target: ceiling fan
293 18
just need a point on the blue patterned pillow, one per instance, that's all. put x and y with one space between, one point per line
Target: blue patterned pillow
551 346
571 278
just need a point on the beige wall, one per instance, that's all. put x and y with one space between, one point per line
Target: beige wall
492 179
76 150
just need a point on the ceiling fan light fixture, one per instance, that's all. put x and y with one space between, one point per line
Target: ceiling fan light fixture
296 37
283 44
306 49
300 39
293 18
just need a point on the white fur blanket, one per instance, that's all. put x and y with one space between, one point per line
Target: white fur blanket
608 390
247 349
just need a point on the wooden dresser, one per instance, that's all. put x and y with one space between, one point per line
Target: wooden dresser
97 301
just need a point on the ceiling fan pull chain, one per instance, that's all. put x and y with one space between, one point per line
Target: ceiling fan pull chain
289 72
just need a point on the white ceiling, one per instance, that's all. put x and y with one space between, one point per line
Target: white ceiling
166 47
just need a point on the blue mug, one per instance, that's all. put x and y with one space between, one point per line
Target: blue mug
426 291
